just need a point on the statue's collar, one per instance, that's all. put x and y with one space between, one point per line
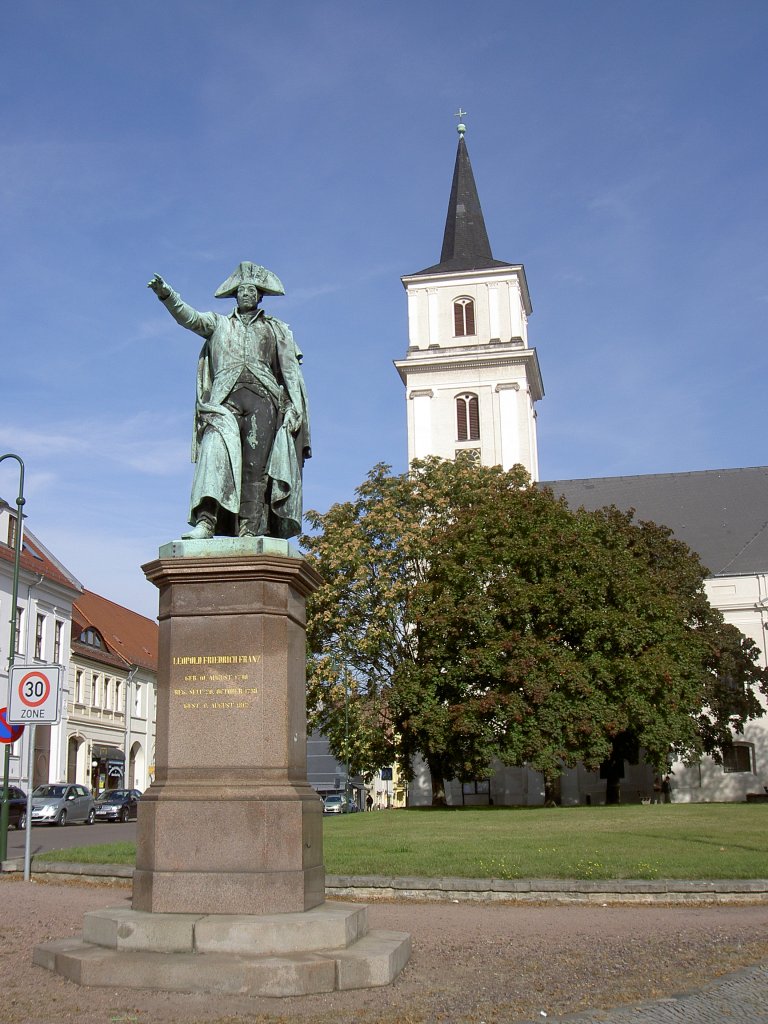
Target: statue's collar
249 317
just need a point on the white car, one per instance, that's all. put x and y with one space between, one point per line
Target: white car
337 803
58 803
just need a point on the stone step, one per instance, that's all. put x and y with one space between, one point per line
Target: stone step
373 960
329 926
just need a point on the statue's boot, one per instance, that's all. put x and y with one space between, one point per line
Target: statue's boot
204 528
253 513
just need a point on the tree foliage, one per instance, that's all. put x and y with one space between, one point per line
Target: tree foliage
467 615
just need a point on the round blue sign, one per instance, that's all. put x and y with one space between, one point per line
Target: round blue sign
8 733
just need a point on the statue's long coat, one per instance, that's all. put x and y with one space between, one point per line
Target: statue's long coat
268 352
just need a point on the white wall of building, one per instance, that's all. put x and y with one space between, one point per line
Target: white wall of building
494 363
110 707
743 600
46 617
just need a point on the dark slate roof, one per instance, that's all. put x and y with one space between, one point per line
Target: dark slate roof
721 513
465 240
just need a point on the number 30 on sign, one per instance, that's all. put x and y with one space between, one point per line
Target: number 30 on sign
35 694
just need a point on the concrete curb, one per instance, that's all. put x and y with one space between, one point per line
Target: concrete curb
480 890
550 890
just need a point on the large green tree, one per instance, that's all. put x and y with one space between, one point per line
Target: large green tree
467 615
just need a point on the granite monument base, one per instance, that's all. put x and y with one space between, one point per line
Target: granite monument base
321 950
230 825
229 886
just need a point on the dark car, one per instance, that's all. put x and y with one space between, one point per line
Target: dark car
17 807
117 805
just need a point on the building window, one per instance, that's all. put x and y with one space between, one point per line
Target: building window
78 687
57 632
467 418
463 318
107 693
476 787
95 691
137 701
91 638
39 628
738 758
19 620
11 531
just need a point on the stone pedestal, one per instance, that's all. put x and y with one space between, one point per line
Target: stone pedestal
230 825
321 950
229 887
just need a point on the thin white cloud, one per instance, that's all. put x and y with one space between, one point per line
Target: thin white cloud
146 443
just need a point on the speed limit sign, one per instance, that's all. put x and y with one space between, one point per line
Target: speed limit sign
35 694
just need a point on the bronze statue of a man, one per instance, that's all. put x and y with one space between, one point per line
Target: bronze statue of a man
251 433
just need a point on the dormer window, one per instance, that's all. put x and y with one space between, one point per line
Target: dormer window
463 317
91 638
467 418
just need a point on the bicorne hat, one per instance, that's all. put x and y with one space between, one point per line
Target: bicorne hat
250 273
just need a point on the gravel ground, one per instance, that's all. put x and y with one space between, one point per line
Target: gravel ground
484 964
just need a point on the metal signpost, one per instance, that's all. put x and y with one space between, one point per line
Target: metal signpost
35 696
12 649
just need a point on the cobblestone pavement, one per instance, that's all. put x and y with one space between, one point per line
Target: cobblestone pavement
742 997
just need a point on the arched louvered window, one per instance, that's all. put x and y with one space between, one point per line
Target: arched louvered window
467 418
463 317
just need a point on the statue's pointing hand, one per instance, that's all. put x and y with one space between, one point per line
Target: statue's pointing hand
159 287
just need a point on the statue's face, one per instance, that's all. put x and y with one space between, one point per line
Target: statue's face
248 296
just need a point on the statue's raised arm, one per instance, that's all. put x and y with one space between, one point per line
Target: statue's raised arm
159 287
251 419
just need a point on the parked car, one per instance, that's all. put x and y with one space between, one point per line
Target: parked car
118 804
58 803
17 807
337 803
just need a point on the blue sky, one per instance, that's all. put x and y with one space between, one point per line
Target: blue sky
620 152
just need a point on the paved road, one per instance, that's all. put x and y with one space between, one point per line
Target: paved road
52 837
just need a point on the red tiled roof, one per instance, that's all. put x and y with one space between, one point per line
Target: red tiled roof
35 559
130 637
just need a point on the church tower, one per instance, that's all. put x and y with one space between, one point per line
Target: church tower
471 380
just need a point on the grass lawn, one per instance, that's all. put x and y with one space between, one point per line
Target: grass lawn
635 841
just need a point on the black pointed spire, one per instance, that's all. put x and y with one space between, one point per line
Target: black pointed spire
465 240
465 236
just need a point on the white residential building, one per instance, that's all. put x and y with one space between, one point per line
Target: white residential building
46 591
109 659
111 704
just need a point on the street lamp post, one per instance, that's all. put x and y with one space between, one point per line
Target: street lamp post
346 735
4 808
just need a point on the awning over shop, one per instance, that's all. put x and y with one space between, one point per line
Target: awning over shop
100 752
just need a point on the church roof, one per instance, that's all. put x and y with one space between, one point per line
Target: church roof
721 513
465 240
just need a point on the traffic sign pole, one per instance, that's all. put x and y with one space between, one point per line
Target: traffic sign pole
30 773
4 808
